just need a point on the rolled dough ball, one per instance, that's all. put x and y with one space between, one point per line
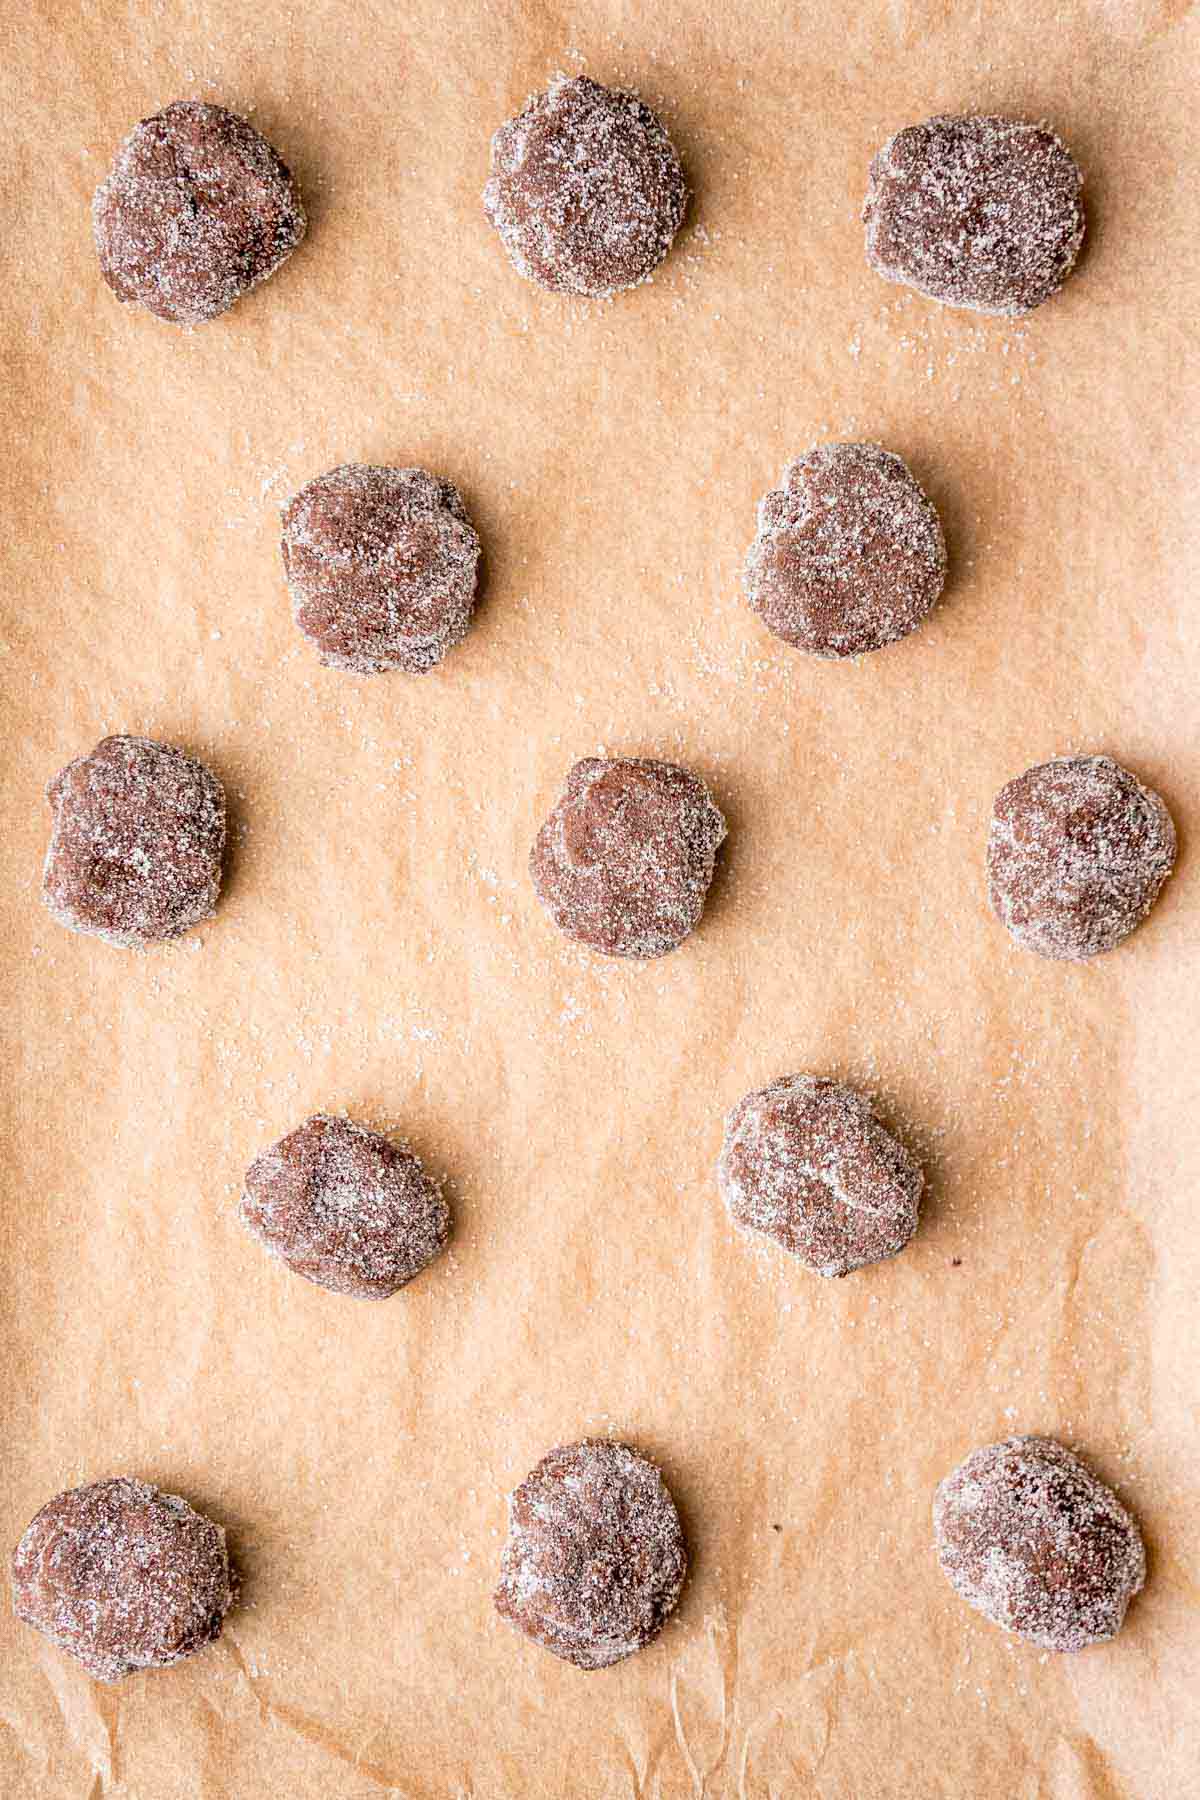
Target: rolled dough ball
1035 1542
136 844
980 212
595 1558
381 564
624 861
849 554
123 1576
345 1208
197 208
586 189
806 1162
1077 852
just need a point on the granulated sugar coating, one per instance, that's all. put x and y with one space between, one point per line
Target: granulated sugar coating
595 1558
1077 852
196 209
123 1576
625 860
345 1208
1035 1542
980 212
381 564
586 189
806 1161
849 554
135 849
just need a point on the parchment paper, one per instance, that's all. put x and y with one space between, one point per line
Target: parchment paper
378 948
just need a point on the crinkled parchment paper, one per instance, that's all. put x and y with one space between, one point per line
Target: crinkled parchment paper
379 949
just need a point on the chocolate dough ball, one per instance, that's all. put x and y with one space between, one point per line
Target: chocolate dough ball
123 1576
806 1162
624 861
1035 1542
849 554
381 564
977 212
595 1558
196 209
135 849
586 190
1077 852
346 1209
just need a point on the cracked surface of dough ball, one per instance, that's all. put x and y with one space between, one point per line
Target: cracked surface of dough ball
381 565
1030 1538
626 857
196 209
595 1558
136 843
978 212
1078 850
345 1208
806 1162
849 554
586 189
123 1576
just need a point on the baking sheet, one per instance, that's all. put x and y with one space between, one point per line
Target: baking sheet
378 948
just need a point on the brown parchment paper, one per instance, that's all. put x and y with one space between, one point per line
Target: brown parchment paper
378 948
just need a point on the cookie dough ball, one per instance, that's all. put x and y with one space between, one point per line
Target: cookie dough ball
849 554
624 861
381 564
346 1209
586 189
123 1576
977 212
197 208
135 849
595 1558
806 1161
1035 1542
1077 852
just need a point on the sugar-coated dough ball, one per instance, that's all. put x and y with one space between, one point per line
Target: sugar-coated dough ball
849 554
381 564
136 845
595 1558
196 209
345 1208
586 189
979 212
1038 1544
806 1162
1077 852
624 861
123 1576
